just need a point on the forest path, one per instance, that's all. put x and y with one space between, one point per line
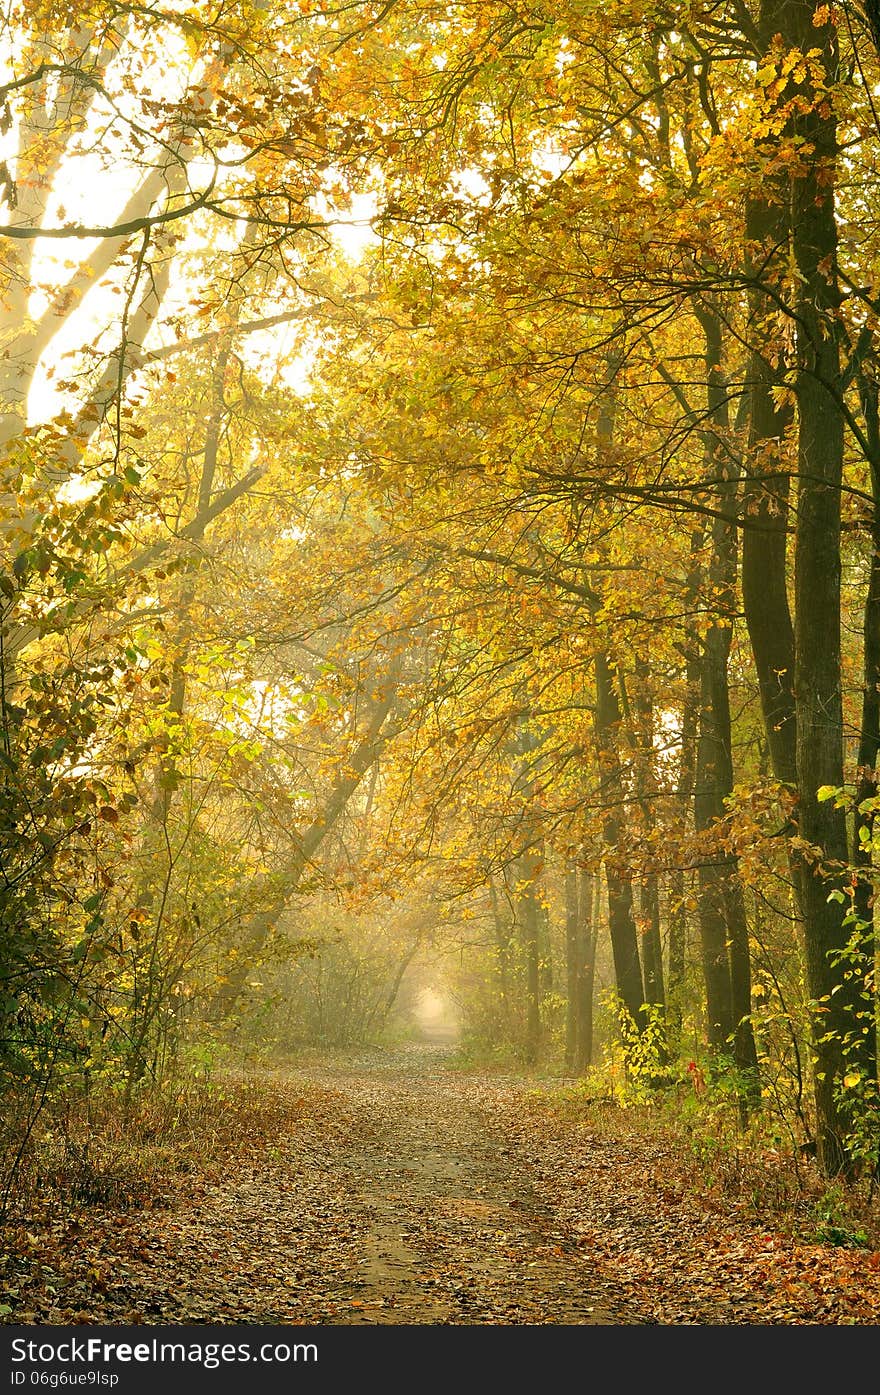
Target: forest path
449 1221
396 1195
399 1191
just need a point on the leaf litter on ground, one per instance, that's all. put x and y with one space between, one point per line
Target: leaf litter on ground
391 1190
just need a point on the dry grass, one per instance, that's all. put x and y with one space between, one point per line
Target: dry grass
767 1178
87 1150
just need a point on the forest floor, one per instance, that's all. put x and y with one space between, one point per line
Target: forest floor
391 1189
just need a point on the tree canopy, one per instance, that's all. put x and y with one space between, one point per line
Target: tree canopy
440 476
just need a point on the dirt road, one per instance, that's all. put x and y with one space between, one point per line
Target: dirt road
398 1191
445 1213
398 1196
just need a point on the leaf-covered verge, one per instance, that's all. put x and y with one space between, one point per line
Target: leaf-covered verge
384 1190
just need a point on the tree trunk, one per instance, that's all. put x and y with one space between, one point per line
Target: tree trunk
723 927
841 1041
545 946
649 888
581 923
572 960
588 916
864 820
649 910
352 771
502 928
678 918
528 915
765 500
621 922
766 487
713 762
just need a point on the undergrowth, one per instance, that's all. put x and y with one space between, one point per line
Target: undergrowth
89 1150
760 1168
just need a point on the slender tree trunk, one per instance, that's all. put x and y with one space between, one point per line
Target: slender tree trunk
530 909
621 922
745 1051
869 737
677 955
678 917
588 919
649 889
502 928
150 978
723 926
573 966
528 915
713 780
581 923
351 772
545 945
649 910
403 964
618 874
